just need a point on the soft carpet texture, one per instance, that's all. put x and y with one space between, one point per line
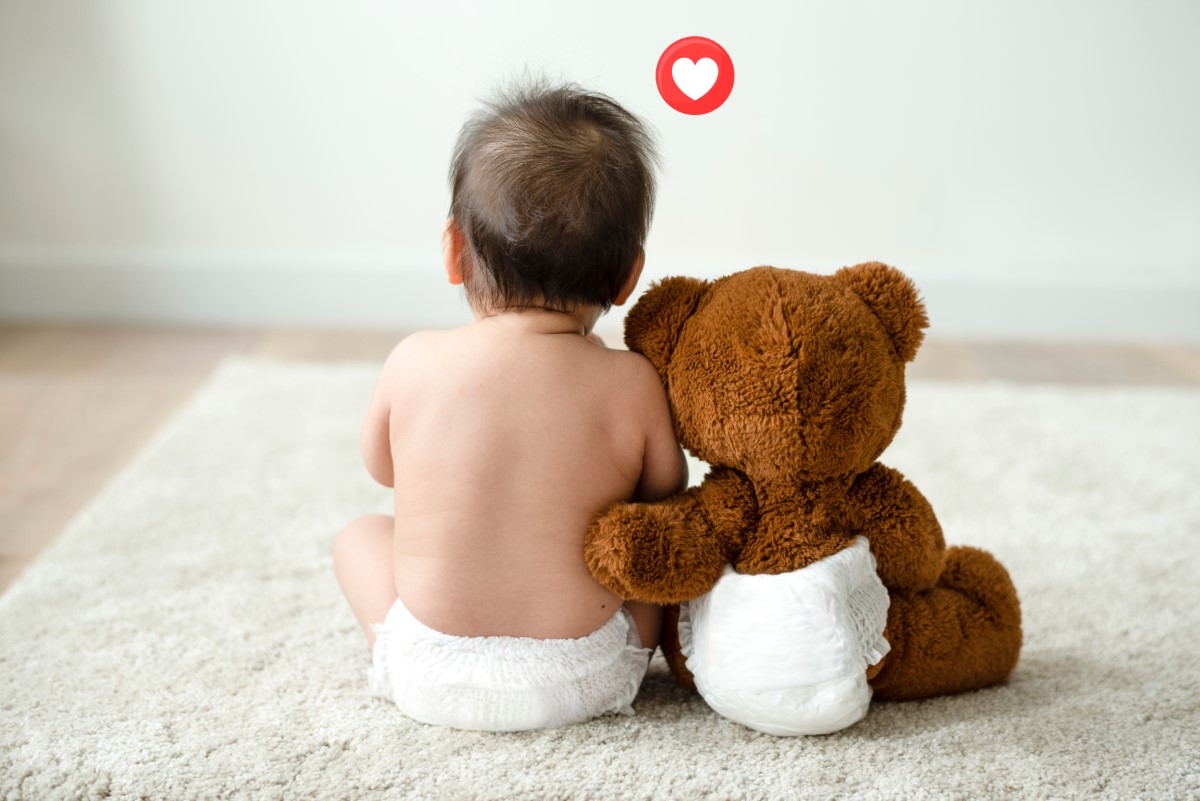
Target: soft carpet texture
185 637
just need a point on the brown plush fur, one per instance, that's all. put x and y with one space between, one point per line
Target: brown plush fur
791 385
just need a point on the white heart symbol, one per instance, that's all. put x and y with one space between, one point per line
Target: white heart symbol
694 78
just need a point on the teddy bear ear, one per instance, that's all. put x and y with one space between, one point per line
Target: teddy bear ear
892 297
653 325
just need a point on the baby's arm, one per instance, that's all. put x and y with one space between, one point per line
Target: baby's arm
664 468
375 439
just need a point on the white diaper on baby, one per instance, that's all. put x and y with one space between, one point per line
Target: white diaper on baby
786 654
506 683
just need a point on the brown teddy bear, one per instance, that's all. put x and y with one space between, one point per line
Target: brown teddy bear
791 385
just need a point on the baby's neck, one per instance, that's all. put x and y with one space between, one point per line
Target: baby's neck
537 320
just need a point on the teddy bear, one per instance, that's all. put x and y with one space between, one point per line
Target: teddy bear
802 577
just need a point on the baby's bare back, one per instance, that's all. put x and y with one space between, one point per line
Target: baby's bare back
505 443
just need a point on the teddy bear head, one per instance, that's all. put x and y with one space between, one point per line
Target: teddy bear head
782 374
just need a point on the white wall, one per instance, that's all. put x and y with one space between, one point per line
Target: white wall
1032 164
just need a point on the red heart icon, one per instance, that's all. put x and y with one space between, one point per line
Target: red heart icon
695 75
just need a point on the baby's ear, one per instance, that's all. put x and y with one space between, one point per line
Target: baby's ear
653 324
892 297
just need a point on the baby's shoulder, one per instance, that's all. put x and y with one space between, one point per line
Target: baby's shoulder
427 343
634 378
413 352
633 366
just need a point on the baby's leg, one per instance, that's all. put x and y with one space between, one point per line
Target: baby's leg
362 560
649 620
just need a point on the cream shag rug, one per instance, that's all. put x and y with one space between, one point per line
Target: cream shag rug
185 638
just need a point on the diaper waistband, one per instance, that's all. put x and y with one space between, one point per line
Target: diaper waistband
505 661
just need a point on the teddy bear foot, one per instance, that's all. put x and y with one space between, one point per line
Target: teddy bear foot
671 651
964 634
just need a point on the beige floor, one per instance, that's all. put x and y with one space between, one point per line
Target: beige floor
77 402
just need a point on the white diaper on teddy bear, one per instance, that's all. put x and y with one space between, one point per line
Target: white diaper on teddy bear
786 654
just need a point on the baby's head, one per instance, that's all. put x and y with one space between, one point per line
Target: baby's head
552 191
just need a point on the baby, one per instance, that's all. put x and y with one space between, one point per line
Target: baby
505 437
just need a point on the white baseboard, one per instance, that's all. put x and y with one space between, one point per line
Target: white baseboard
374 292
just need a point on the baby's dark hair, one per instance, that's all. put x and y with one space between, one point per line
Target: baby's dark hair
552 188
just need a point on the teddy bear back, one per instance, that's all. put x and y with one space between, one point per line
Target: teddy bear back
794 379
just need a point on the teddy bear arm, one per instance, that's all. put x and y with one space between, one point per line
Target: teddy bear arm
730 508
663 552
904 533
